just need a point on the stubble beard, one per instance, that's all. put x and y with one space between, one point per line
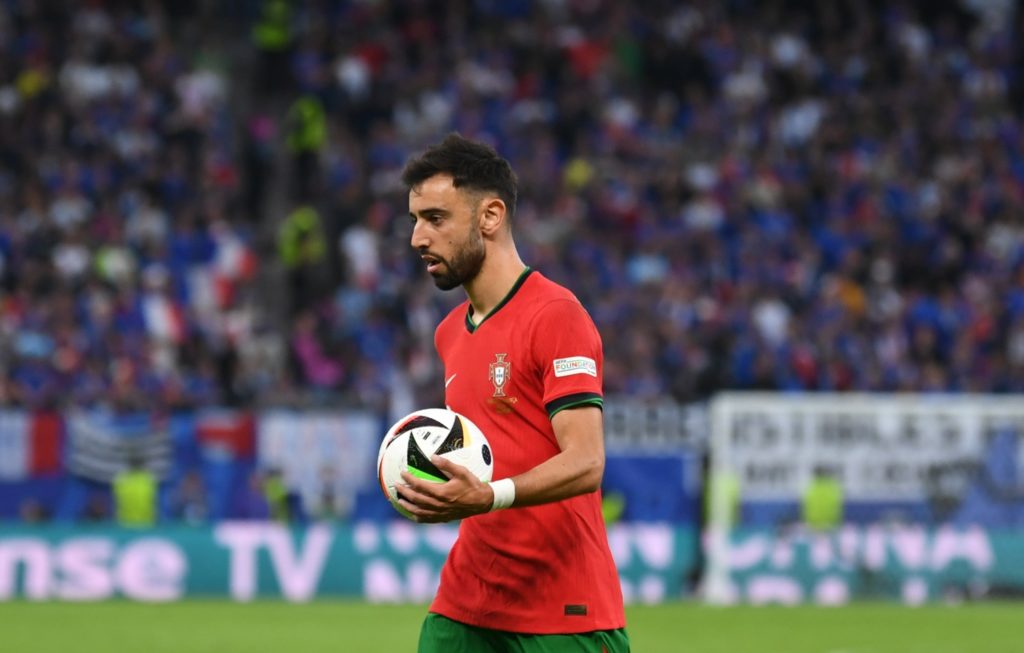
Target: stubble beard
465 264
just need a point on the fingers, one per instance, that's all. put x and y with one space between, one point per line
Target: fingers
454 472
430 502
414 512
420 492
422 486
423 508
452 469
423 515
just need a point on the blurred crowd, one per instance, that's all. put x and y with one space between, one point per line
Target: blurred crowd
750 195
126 263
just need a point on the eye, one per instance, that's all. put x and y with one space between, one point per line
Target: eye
434 219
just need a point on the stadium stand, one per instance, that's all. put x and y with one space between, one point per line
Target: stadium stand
745 195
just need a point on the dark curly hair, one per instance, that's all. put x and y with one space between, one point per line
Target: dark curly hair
472 165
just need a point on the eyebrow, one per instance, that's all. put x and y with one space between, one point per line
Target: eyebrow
431 209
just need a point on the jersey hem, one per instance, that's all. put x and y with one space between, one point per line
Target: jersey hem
471 619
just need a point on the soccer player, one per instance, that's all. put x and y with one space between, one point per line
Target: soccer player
531 570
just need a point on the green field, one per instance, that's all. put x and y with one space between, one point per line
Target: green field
342 627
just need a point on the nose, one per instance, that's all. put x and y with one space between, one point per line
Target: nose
419 239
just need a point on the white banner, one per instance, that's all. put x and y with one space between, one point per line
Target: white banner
885 448
102 443
637 424
326 457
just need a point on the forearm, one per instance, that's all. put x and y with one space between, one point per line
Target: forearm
565 475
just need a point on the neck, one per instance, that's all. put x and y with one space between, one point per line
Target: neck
500 272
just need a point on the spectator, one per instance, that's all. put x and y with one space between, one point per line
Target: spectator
331 502
821 506
135 495
254 505
276 494
272 37
303 249
32 511
307 133
188 502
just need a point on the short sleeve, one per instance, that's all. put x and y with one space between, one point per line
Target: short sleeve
567 352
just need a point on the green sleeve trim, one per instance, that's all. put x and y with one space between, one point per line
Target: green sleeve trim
574 401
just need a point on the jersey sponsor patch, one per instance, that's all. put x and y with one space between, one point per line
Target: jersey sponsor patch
575 365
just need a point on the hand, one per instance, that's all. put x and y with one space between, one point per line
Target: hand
462 495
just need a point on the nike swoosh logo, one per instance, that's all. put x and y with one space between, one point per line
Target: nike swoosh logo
449 380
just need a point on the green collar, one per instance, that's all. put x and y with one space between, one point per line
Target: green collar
508 296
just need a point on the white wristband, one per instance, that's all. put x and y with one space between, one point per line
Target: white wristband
504 493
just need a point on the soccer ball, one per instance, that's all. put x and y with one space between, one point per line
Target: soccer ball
412 440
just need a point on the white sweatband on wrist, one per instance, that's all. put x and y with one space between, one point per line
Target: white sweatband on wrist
504 493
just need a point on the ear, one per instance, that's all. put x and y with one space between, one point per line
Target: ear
492 215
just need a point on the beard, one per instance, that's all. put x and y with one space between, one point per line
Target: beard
464 265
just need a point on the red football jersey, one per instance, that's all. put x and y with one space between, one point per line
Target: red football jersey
541 569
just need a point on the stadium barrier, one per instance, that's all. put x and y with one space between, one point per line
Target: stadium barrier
400 562
906 563
931 487
393 562
59 460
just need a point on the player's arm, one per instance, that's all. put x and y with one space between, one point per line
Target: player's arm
577 469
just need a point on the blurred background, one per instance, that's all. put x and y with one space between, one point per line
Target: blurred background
798 226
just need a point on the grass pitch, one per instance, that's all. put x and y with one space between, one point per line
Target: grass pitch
351 627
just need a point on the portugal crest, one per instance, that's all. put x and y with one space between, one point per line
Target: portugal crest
500 372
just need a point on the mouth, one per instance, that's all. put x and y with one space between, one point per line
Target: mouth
433 264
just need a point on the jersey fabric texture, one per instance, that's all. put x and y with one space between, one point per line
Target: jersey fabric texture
442 635
540 569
